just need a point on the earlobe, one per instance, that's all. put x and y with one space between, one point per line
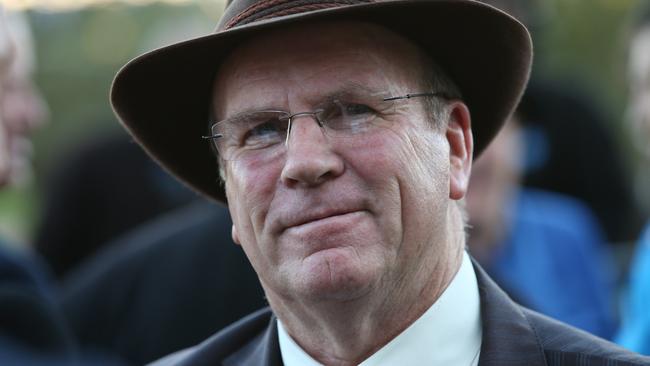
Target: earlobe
235 235
461 148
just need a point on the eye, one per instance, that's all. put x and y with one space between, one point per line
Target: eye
357 109
340 115
263 131
348 116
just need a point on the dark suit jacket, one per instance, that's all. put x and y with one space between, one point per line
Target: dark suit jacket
164 287
85 208
32 330
512 336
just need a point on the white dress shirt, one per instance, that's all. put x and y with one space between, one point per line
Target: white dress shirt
447 334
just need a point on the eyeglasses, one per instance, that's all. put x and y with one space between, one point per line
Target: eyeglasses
264 133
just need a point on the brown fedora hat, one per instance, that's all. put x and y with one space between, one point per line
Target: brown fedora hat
162 97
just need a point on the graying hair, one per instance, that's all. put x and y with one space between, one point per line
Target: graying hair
435 79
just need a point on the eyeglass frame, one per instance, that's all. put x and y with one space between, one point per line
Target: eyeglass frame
290 116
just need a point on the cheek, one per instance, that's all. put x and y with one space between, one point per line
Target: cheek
427 171
250 187
423 161
374 158
415 160
423 166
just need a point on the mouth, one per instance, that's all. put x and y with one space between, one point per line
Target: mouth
322 219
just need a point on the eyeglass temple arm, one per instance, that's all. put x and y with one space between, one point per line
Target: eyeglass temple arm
414 95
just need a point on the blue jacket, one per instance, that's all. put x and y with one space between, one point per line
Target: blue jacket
635 332
555 261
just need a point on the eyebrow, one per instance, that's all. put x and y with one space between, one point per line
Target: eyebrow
351 89
347 90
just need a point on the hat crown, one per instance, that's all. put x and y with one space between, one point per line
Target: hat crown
240 12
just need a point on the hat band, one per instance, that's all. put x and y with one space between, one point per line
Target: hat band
275 8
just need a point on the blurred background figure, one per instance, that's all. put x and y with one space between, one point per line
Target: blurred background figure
33 332
31 329
545 249
569 149
104 184
552 193
568 146
23 108
635 331
98 191
165 286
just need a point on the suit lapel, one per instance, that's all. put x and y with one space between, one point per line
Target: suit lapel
264 350
508 337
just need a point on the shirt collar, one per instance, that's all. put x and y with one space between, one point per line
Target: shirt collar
448 333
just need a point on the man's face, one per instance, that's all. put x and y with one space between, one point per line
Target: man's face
337 218
6 58
639 70
22 108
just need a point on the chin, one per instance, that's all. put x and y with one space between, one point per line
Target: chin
335 274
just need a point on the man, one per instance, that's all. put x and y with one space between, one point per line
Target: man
345 152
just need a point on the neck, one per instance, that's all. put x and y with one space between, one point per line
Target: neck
348 332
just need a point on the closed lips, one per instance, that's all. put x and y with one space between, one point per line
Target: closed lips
306 219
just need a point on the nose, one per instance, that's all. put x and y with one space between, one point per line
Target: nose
310 159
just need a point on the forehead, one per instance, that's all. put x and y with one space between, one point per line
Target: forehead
317 59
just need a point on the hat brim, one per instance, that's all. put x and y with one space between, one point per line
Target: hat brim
162 97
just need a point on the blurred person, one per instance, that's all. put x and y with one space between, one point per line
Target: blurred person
567 140
23 108
635 331
545 249
6 59
31 329
86 209
567 145
162 287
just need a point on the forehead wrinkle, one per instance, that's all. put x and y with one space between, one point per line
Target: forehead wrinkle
350 42
378 76
230 87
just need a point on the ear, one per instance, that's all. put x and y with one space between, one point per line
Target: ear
235 235
461 148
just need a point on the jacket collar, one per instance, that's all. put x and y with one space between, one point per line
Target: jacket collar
264 350
508 336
